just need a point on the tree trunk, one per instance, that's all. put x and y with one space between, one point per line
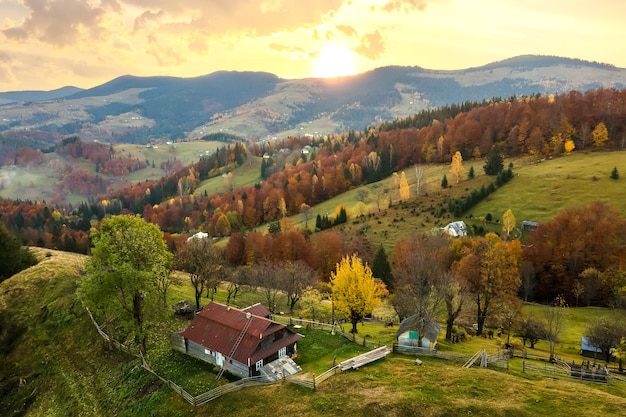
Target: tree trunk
449 326
354 322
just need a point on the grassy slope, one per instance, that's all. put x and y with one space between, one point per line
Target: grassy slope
66 370
554 185
558 184
34 183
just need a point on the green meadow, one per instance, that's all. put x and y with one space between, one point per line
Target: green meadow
55 363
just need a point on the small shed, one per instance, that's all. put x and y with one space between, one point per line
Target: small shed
587 349
408 332
530 226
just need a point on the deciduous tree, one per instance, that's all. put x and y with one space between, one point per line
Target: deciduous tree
600 135
555 321
489 267
294 278
508 222
204 262
128 257
606 333
355 292
559 254
456 167
530 329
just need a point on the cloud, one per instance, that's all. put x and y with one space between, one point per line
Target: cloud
372 45
164 54
346 30
61 22
405 6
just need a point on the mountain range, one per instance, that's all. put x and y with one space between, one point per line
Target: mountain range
260 106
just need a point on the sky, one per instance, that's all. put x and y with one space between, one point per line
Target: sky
48 44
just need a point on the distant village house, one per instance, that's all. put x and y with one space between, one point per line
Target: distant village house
455 229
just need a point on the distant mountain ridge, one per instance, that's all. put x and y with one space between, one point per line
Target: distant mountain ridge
29 96
259 105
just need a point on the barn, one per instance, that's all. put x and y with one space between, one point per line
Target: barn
243 342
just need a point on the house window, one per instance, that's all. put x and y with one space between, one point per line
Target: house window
259 365
282 352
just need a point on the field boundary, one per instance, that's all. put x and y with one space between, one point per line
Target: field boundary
201 399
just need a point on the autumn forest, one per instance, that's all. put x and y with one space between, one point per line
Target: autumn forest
581 248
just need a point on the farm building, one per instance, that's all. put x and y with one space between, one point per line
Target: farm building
528 225
455 229
408 333
587 349
243 342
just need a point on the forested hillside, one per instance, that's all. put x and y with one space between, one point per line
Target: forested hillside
302 172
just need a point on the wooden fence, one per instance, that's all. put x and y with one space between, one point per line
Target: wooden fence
117 345
498 359
564 371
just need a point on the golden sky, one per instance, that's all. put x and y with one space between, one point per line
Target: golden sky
47 44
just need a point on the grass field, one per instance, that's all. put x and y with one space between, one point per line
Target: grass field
538 192
541 190
58 366
247 174
35 183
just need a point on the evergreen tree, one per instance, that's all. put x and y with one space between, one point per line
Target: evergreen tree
273 228
13 258
381 268
495 163
614 173
471 174
444 182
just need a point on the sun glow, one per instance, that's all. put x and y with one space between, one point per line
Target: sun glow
334 60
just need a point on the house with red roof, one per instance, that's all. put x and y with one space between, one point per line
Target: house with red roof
243 342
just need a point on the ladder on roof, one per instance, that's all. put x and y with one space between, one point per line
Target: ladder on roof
235 346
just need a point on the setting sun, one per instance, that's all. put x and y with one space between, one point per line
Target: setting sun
334 61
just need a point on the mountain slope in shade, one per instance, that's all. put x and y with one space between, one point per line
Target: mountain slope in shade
259 105
36 96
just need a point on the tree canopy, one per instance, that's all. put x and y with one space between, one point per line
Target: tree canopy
129 257
490 269
355 292
13 258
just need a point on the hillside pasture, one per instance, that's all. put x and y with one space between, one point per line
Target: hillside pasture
246 175
36 183
544 188
60 363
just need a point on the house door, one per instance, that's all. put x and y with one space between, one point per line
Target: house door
282 352
219 359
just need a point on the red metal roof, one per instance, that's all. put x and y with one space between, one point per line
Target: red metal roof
258 310
217 327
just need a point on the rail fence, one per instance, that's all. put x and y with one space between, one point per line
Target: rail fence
562 370
499 359
201 399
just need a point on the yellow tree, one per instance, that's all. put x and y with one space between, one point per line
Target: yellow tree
508 222
355 291
456 168
600 135
569 146
490 270
404 187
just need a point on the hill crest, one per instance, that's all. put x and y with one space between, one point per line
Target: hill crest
259 105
